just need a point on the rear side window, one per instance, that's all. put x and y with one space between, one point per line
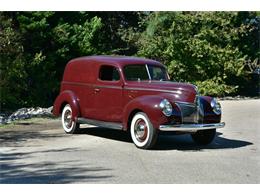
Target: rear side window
109 73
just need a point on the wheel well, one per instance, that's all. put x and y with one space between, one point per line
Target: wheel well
130 117
62 106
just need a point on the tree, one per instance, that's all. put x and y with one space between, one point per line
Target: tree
11 64
42 43
215 50
199 47
36 46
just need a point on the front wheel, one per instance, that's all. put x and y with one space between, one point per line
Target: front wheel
143 134
204 137
68 124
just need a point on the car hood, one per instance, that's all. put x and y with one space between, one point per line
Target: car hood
174 91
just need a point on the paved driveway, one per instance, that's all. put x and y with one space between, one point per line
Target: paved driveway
38 151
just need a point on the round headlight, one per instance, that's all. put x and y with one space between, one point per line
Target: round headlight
215 106
166 107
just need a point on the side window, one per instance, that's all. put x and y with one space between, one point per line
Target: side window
108 73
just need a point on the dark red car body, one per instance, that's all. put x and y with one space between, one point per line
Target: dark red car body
116 102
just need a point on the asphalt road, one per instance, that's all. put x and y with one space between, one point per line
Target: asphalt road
38 151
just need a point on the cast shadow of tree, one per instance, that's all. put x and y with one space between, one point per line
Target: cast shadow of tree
169 142
17 138
20 167
45 172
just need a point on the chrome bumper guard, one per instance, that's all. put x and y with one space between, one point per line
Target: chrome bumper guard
191 127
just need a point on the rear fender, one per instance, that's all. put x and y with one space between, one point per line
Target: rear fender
66 97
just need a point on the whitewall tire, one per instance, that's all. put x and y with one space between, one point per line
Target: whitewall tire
142 131
68 124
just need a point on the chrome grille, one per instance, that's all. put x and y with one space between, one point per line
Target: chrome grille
189 112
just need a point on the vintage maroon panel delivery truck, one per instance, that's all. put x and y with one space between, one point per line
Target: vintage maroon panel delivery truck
133 94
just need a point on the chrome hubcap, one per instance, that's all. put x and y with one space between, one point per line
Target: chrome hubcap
140 130
68 119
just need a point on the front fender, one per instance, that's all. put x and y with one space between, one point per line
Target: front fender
147 104
66 97
208 114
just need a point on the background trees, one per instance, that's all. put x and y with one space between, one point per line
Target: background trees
215 50
210 49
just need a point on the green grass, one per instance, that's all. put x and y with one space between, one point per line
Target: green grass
30 120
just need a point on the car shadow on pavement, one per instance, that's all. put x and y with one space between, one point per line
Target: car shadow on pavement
185 142
107 133
169 141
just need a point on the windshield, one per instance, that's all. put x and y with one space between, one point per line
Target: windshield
140 72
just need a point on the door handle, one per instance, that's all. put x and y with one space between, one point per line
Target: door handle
97 90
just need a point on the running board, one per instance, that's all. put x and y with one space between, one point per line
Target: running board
109 125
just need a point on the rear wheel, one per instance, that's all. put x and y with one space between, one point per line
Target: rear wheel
204 137
142 131
68 124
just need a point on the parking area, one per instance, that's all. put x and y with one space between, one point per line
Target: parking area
38 151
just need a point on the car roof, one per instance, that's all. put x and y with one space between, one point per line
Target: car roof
116 60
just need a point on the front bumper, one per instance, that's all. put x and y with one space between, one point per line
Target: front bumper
191 127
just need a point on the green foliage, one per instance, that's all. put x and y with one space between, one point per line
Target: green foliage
199 47
215 50
11 64
35 49
214 87
67 40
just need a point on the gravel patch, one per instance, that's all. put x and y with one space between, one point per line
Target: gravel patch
238 98
26 113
